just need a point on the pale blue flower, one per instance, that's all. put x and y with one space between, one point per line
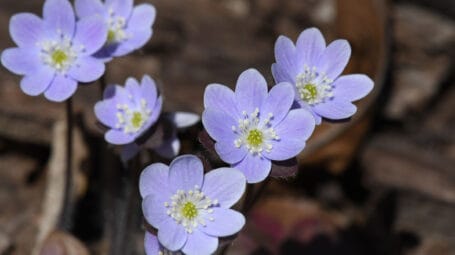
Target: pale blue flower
55 53
129 111
190 210
252 127
129 28
314 70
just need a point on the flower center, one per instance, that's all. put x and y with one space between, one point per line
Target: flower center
116 25
254 134
255 137
313 87
59 54
137 120
59 57
132 120
190 208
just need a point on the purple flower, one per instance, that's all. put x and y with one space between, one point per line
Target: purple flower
252 127
166 143
54 53
315 70
153 247
129 111
128 28
190 210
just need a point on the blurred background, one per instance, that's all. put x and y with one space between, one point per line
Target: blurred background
381 183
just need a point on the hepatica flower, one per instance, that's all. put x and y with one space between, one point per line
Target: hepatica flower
251 127
315 70
190 210
128 28
54 53
129 111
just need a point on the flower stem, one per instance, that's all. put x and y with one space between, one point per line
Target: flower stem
253 196
125 210
66 214
102 84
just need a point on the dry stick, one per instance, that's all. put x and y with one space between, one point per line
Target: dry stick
67 210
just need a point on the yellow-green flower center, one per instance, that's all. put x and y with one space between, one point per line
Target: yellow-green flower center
309 92
59 57
189 210
111 36
255 138
137 120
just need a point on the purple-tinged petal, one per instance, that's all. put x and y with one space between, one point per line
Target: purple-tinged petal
227 185
91 34
59 17
255 168
156 111
310 46
352 87
133 88
172 235
184 119
36 83
85 8
278 102
185 172
304 105
26 29
228 152
105 112
61 88
199 243
285 55
118 137
226 222
120 7
151 245
280 75
21 61
293 131
143 16
136 39
87 69
221 98
154 181
117 93
148 89
335 58
250 91
155 211
129 151
169 149
335 109
218 125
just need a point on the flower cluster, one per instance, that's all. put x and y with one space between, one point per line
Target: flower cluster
57 52
252 127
